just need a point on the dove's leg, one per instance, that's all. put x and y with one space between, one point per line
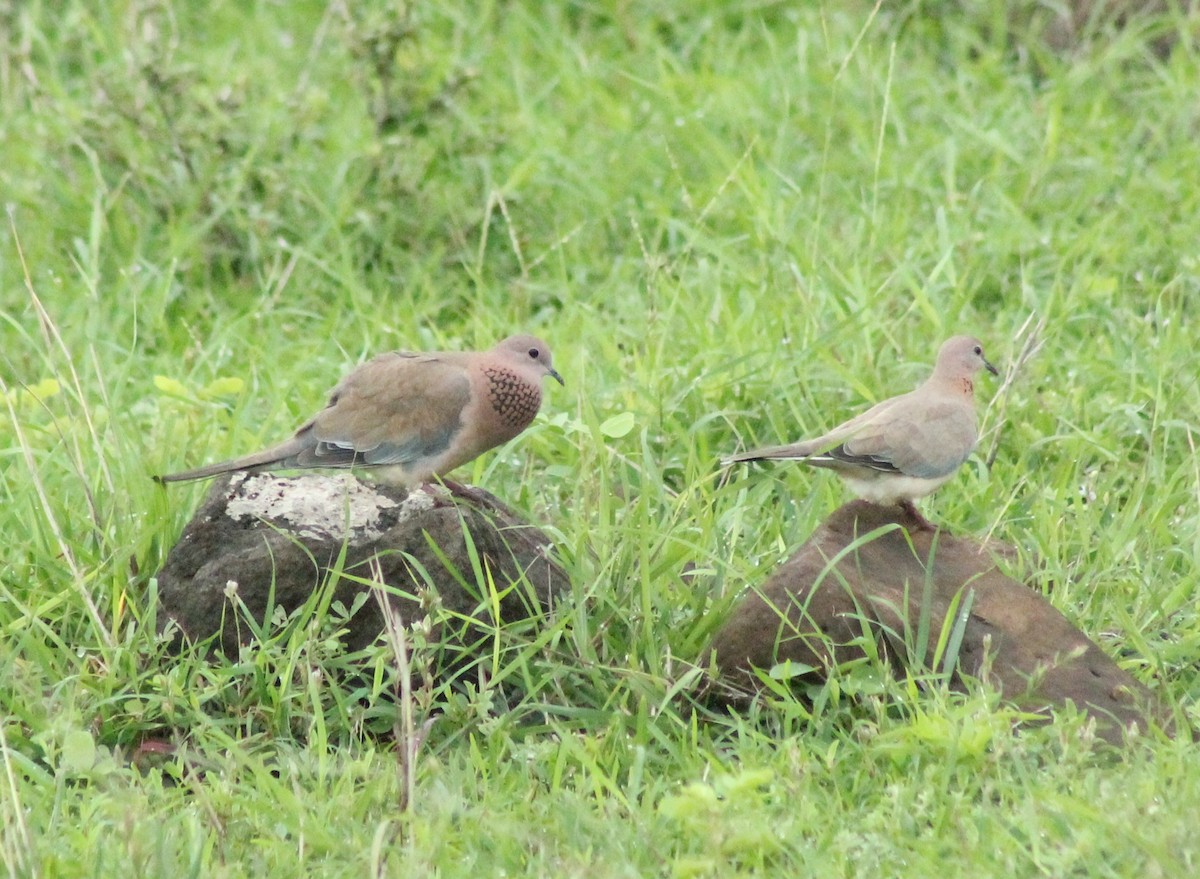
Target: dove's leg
910 510
466 492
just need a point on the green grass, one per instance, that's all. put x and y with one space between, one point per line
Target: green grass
735 223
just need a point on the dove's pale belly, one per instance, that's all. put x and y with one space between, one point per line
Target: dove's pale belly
890 488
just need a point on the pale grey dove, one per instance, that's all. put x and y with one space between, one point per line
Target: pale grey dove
412 417
904 447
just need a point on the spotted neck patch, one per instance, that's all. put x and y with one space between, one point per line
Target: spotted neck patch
513 399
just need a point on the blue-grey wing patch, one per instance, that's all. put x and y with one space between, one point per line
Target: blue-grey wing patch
425 445
839 455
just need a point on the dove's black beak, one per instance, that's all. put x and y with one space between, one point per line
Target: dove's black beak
558 378
991 368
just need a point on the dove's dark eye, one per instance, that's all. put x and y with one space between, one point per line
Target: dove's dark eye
534 353
978 351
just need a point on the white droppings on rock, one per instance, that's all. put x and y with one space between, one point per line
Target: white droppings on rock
319 507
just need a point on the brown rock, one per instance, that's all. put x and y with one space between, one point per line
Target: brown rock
1069 24
873 563
272 541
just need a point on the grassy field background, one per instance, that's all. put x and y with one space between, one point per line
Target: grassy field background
735 224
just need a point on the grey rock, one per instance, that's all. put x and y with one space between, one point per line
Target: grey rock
268 542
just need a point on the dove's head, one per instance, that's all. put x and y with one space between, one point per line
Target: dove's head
961 357
529 351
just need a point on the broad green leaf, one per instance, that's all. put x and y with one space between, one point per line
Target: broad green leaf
78 751
43 390
617 426
225 387
171 386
